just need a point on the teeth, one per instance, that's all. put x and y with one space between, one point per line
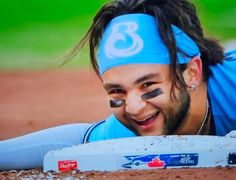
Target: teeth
146 120
150 117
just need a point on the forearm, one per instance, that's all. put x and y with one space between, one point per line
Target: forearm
26 152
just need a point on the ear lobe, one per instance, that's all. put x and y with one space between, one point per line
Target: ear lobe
193 74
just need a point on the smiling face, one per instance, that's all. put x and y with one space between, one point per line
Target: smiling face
139 96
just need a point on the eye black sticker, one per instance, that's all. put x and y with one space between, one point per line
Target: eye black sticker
114 103
152 94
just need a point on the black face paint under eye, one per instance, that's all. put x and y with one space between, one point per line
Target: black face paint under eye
152 94
114 103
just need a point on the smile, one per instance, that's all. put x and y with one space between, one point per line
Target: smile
148 120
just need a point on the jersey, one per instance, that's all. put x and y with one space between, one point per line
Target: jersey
221 87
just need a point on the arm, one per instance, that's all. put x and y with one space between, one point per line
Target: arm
27 152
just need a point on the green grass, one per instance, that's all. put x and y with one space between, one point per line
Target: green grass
218 18
35 34
40 46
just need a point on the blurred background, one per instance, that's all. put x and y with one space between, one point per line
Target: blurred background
36 34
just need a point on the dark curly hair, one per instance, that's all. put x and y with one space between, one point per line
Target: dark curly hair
180 13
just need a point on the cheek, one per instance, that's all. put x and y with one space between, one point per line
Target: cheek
119 113
116 111
161 101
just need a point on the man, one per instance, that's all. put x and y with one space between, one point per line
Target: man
161 75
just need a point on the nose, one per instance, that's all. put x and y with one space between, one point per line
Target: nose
134 104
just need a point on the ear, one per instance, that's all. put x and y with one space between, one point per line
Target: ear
193 74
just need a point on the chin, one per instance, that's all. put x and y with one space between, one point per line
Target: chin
152 133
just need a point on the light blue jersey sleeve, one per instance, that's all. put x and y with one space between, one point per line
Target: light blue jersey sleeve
111 128
221 93
27 152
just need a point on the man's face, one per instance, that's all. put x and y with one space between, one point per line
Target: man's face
139 96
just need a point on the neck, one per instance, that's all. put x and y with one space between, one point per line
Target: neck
204 123
198 112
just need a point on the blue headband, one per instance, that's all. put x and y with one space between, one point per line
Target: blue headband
134 39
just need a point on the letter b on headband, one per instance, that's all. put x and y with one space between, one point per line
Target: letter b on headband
134 39
123 40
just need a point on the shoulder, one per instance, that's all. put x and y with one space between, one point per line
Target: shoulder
221 87
222 80
109 128
226 68
230 55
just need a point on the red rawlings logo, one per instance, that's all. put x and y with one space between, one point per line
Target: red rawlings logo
67 165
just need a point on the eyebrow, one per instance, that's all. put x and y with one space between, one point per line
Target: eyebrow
146 77
138 81
112 86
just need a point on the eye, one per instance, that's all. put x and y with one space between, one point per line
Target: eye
116 91
148 84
